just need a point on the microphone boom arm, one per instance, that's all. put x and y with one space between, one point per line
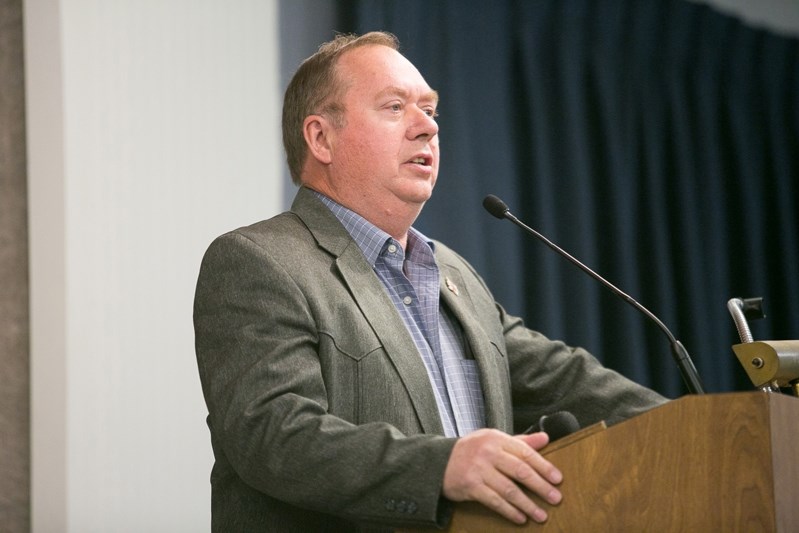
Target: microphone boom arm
686 366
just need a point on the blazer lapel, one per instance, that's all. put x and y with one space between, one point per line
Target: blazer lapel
370 296
496 391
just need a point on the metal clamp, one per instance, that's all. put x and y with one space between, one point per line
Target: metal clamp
769 364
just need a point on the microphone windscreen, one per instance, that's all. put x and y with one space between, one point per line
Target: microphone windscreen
558 425
495 206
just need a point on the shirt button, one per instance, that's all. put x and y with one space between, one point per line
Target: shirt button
392 248
407 300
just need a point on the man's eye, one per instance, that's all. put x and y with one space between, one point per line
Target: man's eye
431 113
396 107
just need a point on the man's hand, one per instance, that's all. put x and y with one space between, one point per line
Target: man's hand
488 466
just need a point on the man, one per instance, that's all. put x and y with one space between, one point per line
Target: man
355 372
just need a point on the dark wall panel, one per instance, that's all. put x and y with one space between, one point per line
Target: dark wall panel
14 341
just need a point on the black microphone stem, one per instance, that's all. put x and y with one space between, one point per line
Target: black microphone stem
684 362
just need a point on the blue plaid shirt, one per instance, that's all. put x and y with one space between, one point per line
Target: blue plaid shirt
411 278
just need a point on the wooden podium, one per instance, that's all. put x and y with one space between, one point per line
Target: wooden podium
726 462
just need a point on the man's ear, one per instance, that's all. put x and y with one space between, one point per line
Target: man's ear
319 134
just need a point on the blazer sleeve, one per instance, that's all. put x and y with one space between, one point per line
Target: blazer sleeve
257 349
549 376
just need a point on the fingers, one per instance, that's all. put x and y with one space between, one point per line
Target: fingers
526 466
536 441
503 496
509 500
490 467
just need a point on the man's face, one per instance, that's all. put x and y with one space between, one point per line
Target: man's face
387 150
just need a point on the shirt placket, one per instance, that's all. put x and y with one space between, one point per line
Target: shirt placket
409 304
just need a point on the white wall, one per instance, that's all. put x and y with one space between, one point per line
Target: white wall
153 126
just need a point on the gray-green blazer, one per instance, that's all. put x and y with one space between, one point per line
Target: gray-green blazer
320 409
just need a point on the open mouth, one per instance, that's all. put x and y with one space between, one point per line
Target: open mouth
424 160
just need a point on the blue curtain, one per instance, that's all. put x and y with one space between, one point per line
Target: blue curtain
656 140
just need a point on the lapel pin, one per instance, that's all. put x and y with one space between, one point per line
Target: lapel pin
451 286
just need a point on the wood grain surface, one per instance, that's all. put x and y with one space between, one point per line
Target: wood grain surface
726 462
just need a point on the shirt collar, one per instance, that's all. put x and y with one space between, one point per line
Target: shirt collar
371 239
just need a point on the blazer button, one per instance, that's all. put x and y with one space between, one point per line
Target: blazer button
390 505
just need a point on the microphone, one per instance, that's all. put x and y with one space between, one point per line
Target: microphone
557 425
499 209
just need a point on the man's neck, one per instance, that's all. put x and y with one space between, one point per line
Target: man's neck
396 220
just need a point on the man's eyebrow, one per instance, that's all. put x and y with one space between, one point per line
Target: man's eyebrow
393 90
432 95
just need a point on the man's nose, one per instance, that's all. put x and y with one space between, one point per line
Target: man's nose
423 124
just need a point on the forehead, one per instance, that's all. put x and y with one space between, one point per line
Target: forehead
379 69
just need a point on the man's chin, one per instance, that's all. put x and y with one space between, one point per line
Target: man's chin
417 199
418 192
